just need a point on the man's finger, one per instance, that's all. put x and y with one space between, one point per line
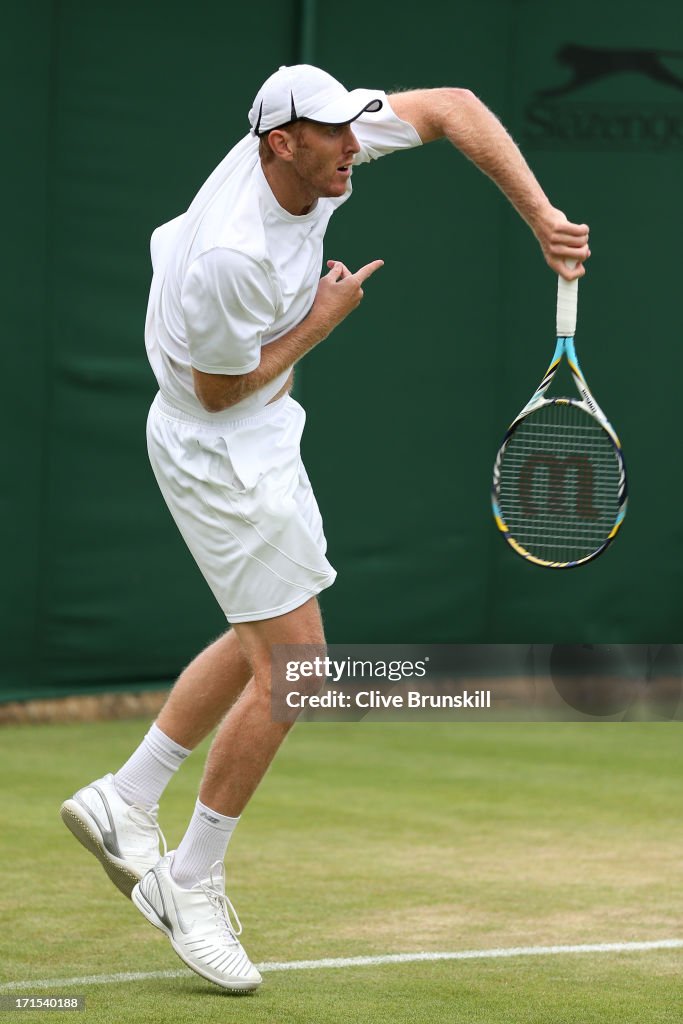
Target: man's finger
569 273
573 229
365 272
338 270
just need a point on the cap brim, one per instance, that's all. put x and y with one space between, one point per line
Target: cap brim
347 108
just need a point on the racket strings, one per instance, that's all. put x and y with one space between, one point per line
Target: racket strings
559 483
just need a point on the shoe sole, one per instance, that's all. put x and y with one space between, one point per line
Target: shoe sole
148 911
122 875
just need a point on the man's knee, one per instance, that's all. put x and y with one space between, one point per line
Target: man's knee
263 640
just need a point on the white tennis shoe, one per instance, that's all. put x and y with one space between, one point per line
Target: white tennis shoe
199 923
124 837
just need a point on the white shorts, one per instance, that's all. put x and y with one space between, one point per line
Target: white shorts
241 498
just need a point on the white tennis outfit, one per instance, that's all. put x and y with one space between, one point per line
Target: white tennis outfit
231 275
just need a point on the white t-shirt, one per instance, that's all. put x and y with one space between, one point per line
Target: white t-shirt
244 272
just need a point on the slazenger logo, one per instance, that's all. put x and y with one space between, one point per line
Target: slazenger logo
553 121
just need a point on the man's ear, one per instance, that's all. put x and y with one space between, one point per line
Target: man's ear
282 143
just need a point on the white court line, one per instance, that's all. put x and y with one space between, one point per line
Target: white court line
355 961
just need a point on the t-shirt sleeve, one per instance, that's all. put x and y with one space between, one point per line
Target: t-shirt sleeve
228 305
382 133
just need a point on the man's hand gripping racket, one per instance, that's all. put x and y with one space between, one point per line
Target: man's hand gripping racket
559 479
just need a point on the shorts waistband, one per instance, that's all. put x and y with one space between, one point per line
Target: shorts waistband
219 419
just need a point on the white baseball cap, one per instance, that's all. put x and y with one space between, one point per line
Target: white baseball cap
306 92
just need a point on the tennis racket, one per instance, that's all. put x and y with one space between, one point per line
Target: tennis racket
559 479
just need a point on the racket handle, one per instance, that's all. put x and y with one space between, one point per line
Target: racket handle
567 301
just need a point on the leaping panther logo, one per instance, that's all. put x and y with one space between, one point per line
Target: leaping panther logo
589 64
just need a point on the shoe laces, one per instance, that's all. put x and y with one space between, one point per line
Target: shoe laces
214 890
147 820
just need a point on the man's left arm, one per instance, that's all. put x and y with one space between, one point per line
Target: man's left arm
457 115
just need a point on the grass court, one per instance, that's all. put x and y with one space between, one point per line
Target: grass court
374 839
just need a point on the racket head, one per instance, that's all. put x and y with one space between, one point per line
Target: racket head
559 484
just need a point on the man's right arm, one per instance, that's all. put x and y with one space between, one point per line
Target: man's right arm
339 292
459 116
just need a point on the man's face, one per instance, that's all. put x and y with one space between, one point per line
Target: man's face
322 157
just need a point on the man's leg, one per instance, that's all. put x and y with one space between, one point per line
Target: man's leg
245 744
115 817
202 694
184 895
248 739
205 690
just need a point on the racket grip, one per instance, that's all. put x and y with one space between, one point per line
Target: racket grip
567 302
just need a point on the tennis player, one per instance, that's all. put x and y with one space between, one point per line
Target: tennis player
236 300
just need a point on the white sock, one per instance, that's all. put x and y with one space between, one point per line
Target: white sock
205 842
145 775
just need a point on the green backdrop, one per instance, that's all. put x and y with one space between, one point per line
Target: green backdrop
114 115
